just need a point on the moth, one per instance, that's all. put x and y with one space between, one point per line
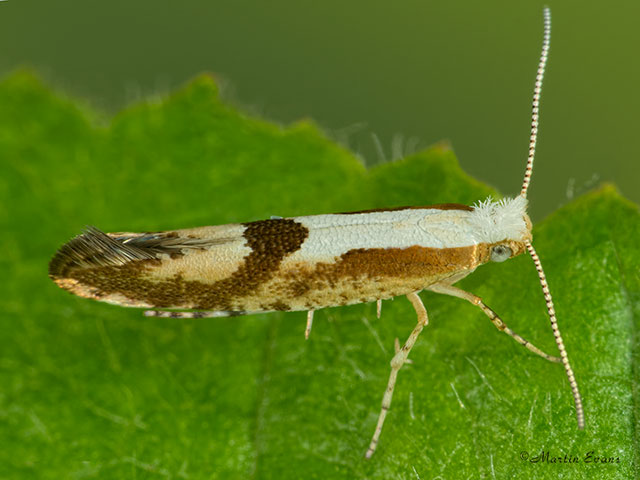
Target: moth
313 262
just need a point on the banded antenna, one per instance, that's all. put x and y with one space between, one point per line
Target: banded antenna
564 357
535 104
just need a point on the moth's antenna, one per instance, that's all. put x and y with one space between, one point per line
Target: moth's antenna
577 399
536 100
556 333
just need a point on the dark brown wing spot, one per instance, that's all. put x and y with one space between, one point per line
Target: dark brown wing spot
279 305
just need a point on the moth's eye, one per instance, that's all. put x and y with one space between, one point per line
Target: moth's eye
500 253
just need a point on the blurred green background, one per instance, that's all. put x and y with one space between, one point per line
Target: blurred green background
408 73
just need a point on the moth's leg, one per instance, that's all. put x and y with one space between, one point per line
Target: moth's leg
201 314
397 361
378 308
493 316
307 330
396 348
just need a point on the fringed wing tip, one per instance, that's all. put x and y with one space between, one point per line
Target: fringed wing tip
93 248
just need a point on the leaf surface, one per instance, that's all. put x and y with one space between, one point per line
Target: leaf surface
91 390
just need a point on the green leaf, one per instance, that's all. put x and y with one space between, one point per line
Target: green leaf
91 390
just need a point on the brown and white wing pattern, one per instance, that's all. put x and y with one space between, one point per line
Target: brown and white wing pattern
299 263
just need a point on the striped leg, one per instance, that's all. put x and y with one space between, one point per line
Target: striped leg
399 359
493 316
307 331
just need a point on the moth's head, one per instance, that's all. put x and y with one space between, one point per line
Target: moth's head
504 225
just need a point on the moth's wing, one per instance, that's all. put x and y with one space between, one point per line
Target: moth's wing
125 268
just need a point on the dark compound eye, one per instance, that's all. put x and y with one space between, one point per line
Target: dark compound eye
500 253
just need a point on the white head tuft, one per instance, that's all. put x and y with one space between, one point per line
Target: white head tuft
504 219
